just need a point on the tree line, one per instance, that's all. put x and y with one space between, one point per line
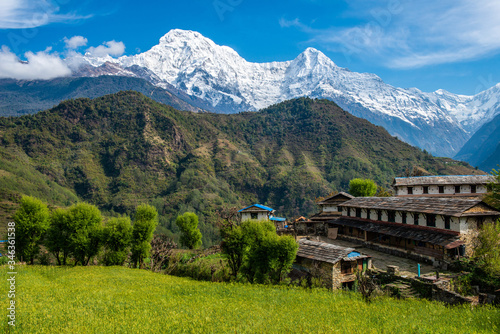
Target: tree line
79 233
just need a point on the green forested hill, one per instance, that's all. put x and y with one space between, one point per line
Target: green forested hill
123 149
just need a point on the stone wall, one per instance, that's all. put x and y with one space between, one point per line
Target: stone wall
470 239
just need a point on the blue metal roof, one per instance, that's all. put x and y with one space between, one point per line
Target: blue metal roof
277 219
260 206
353 254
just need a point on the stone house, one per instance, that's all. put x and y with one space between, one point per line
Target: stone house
334 265
329 209
425 228
261 212
442 186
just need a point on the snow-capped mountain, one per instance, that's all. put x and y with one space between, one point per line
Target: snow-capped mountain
440 122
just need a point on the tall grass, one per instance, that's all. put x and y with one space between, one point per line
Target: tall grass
121 300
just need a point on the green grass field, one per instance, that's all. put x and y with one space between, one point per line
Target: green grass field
121 300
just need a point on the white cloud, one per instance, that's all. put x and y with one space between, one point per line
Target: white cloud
20 14
75 42
41 65
112 48
408 34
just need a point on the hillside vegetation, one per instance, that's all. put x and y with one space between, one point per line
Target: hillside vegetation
121 300
120 150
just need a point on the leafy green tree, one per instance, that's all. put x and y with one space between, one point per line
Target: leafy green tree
234 246
362 187
116 237
493 197
190 234
58 235
32 221
487 252
146 219
85 232
257 252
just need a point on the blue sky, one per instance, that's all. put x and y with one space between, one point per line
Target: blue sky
448 44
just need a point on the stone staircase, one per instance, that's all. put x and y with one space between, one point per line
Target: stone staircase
403 289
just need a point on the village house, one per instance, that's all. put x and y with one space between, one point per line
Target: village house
427 228
261 212
329 209
442 186
335 266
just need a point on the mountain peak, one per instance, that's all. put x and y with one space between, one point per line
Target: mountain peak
179 34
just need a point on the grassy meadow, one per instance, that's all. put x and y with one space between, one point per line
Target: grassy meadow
121 300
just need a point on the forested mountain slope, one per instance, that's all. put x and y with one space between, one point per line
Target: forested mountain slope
122 149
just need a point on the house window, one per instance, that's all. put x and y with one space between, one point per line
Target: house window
367 213
379 214
441 189
358 212
457 189
391 216
410 190
473 188
348 212
447 222
426 189
403 217
415 219
347 267
431 220
254 215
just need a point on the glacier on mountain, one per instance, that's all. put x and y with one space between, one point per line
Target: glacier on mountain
440 122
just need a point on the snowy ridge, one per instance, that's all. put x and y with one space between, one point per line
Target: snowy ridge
440 122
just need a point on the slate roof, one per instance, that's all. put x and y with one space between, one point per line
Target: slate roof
258 206
442 180
324 216
340 197
324 252
447 239
456 207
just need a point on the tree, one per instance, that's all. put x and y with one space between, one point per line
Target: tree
493 197
190 234
146 219
487 252
255 250
362 187
32 221
85 232
234 246
161 250
58 235
116 236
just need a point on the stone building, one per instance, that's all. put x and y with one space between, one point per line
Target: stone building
329 209
261 212
417 227
442 186
334 265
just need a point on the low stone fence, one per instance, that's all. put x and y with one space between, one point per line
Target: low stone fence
432 291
